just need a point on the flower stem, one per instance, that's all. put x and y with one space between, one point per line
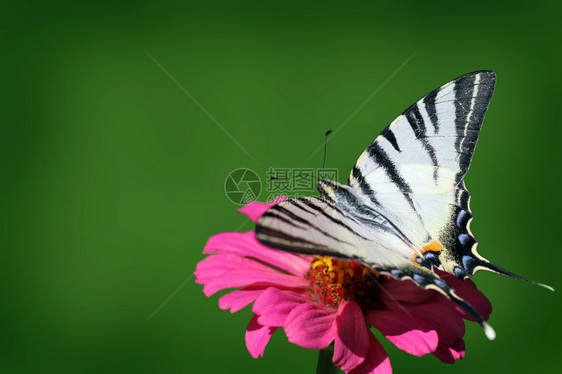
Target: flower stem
325 364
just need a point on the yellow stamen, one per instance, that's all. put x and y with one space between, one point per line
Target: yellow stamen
334 280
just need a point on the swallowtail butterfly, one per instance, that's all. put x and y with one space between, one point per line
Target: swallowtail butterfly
404 211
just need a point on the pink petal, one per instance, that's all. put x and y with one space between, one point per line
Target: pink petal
273 306
406 291
352 338
216 265
442 317
252 277
450 354
468 291
256 209
377 361
246 245
257 337
311 326
408 332
239 299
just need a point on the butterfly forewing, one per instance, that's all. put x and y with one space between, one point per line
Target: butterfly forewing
413 171
312 225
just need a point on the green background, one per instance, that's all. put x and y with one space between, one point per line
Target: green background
113 177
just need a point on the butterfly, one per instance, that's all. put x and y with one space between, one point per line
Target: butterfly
404 211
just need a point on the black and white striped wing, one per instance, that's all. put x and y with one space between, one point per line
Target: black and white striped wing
314 226
413 172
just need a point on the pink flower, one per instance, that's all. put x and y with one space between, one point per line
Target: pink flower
319 300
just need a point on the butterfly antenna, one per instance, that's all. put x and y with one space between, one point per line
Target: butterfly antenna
292 177
325 146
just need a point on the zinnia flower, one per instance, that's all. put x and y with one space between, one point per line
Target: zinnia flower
319 301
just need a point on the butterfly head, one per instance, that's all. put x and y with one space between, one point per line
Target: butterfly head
327 188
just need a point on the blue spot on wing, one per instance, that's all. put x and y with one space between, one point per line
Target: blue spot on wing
464 239
419 279
459 272
462 218
397 273
466 261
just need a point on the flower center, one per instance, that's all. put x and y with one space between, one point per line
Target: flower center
334 280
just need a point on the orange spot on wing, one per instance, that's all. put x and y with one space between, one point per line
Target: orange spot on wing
433 246
413 259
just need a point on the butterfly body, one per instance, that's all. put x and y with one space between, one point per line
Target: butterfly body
405 209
